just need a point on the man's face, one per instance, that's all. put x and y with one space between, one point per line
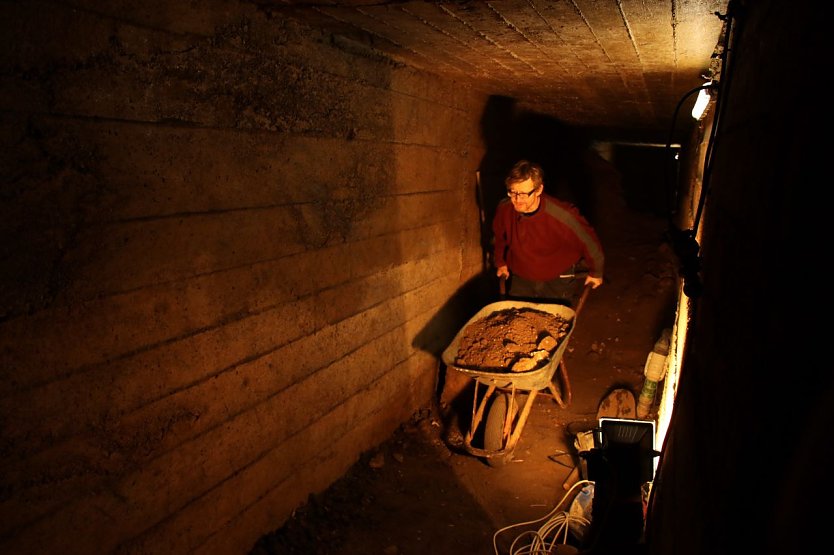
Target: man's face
524 196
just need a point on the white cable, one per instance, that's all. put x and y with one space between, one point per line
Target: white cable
556 523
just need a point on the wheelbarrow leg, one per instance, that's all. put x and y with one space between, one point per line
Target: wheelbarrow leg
478 408
515 433
565 400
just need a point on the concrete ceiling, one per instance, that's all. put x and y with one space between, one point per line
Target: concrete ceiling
614 66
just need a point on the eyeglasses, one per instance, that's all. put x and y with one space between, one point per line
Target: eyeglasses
521 195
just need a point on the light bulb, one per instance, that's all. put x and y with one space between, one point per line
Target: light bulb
702 101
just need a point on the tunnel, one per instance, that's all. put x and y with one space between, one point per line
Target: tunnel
238 236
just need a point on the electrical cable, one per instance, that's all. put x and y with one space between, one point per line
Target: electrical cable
731 37
555 529
684 242
555 458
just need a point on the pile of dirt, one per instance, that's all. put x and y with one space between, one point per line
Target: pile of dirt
519 339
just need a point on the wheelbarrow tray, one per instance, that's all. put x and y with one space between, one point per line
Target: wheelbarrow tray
531 380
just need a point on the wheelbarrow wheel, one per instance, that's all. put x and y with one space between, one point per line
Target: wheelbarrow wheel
494 439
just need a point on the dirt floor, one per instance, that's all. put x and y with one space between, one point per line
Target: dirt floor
423 492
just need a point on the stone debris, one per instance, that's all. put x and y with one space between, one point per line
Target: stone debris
514 339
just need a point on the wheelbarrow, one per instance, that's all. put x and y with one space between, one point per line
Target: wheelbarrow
499 408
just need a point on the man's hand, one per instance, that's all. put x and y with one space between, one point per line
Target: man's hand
594 282
504 272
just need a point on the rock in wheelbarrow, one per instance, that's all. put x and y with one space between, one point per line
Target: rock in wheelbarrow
508 337
525 364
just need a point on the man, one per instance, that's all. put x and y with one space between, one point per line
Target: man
543 246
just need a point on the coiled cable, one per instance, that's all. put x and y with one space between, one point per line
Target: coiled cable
555 528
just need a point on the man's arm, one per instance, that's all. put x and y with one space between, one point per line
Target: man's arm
592 252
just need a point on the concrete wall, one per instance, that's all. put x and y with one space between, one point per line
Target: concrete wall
748 454
226 241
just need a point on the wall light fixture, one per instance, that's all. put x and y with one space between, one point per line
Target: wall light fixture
702 101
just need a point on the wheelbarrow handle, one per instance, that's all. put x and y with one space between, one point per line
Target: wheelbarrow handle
502 291
585 291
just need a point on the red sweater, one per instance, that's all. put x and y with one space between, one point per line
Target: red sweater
545 244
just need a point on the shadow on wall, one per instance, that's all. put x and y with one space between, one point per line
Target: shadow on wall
499 156
438 333
445 324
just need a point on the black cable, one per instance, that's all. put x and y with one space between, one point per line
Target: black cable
669 209
723 91
684 242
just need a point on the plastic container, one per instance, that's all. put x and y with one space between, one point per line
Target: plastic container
654 371
580 511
